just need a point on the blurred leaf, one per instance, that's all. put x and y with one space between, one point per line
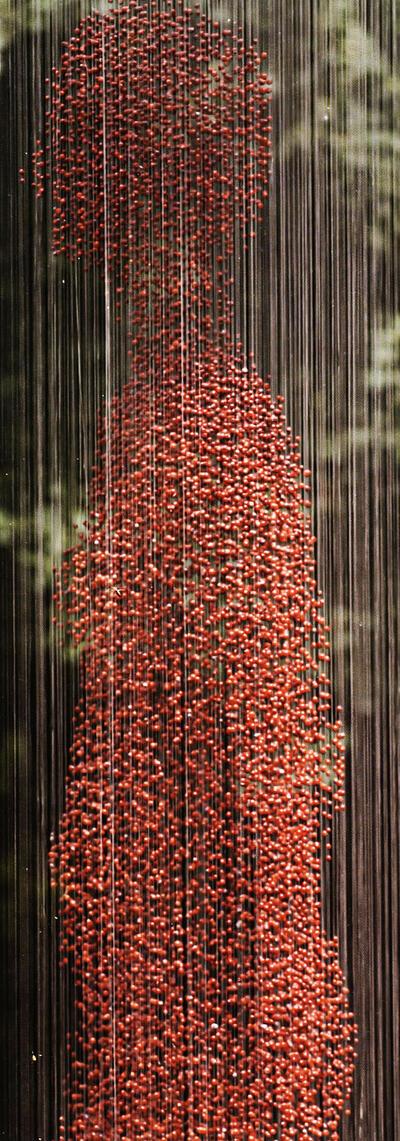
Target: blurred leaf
385 366
42 538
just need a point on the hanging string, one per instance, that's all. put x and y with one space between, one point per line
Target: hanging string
207 1000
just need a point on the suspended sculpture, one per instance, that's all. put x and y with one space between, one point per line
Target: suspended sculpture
205 760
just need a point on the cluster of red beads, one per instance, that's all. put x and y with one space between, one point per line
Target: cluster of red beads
212 1005
208 1000
158 148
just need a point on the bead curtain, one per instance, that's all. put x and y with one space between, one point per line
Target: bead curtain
200 317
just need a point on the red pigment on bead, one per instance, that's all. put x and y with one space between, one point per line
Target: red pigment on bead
205 758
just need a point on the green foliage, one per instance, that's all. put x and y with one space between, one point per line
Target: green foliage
23 16
40 539
383 379
385 367
352 96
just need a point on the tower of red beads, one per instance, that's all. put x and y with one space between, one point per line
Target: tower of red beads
208 1001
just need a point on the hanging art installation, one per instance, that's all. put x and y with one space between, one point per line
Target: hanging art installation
206 762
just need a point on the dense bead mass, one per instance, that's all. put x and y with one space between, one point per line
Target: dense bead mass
157 153
189 853
208 1002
